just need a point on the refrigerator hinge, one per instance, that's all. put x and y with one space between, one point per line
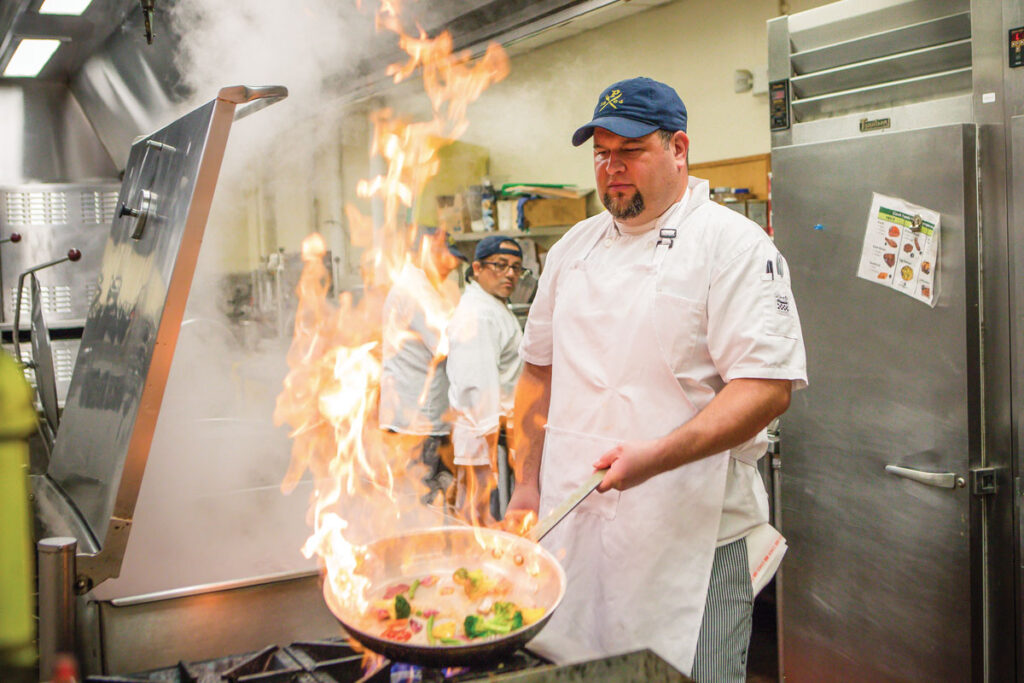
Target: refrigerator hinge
983 481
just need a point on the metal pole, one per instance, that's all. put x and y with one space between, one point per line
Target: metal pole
56 601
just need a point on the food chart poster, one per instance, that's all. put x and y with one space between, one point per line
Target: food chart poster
901 247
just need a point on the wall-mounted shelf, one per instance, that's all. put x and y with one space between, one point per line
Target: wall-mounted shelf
749 172
548 231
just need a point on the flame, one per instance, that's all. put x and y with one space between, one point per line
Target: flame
330 394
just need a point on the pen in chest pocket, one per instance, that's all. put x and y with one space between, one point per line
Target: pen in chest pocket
778 265
768 270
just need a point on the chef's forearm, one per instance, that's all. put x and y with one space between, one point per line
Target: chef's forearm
740 410
530 415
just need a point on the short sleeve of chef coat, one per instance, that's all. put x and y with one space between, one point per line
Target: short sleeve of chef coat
753 325
536 347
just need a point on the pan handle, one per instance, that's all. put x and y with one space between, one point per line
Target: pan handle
565 507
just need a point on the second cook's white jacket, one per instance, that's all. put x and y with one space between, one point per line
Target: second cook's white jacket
483 367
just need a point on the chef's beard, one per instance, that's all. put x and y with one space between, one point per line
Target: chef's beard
622 209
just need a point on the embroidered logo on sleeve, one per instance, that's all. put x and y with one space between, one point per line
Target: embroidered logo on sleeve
782 303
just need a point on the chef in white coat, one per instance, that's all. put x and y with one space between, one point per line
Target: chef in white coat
663 339
483 367
413 409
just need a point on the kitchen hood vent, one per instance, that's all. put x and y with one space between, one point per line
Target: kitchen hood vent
842 62
35 208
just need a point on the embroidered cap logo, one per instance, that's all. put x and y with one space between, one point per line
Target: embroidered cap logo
612 99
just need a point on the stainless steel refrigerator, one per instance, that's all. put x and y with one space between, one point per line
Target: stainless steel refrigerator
899 462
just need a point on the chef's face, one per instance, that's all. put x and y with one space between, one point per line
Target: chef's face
639 178
498 274
440 256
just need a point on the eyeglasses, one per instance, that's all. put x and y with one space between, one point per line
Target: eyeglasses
500 267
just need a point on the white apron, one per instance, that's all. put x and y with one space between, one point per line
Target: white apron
637 562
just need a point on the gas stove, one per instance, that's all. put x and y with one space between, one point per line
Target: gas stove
325 661
335 661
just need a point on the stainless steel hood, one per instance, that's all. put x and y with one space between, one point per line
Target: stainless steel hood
80 36
128 88
91 486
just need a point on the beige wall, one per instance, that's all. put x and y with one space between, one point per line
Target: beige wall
693 45
527 119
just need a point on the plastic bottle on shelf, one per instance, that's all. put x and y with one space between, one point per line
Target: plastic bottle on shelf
488 205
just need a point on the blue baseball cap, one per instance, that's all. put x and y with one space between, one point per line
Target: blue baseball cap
496 244
634 108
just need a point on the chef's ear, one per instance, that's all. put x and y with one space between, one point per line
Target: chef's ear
681 147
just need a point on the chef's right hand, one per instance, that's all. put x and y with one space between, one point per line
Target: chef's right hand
521 513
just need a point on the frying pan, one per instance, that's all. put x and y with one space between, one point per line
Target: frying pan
532 570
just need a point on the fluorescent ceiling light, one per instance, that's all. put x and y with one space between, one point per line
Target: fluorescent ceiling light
31 56
64 6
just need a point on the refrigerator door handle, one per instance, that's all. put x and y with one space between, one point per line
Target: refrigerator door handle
943 480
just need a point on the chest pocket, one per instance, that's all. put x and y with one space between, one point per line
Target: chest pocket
677 320
680 308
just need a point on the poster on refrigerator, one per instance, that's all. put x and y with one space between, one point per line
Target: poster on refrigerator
901 247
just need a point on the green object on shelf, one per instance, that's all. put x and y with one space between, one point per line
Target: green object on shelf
565 191
17 422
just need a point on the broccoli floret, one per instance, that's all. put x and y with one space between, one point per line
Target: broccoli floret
402 607
504 609
501 622
517 621
474 626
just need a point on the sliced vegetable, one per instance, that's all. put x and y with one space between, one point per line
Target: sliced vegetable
431 640
506 618
532 614
444 630
475 583
398 633
412 589
385 609
395 590
402 607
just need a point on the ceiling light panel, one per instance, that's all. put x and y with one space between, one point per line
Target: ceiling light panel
75 7
31 56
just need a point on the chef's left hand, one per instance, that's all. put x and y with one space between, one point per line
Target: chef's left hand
629 464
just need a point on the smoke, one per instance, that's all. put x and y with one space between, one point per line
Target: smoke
296 44
210 507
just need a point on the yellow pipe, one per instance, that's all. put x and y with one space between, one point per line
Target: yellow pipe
17 422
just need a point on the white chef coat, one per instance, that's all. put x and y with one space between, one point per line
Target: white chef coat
483 367
413 386
746 318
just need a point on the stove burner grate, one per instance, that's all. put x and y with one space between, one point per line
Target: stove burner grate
323 661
